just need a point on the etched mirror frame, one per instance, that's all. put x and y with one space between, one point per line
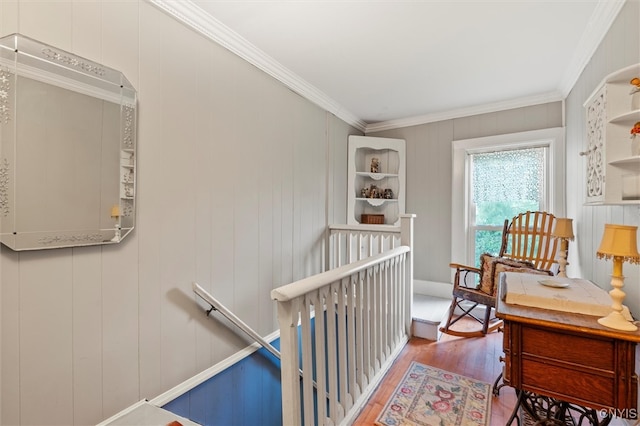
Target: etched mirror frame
67 149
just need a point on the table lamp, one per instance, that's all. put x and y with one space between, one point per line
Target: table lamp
564 232
618 243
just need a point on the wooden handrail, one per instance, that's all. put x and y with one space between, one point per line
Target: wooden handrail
299 288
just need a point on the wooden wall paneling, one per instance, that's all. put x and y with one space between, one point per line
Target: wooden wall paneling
120 326
151 93
177 208
226 112
511 121
574 171
631 16
255 383
298 166
87 335
314 159
333 199
269 122
436 158
536 115
487 125
443 215
629 41
318 189
311 139
49 22
249 184
470 127
120 37
121 344
599 272
86 30
206 164
10 337
418 197
271 224
338 132
9 21
46 358
287 194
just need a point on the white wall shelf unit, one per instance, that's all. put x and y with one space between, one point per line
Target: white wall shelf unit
613 170
372 192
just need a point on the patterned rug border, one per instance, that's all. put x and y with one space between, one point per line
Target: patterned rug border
438 371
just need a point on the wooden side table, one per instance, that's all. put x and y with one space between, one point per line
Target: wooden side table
568 357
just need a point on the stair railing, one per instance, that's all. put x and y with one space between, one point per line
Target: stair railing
217 306
343 328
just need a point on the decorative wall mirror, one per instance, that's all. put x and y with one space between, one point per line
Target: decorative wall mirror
67 149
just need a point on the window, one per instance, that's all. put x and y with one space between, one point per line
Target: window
503 183
495 178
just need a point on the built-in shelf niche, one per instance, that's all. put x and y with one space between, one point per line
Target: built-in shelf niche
612 168
376 192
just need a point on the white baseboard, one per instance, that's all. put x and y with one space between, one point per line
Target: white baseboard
442 290
432 288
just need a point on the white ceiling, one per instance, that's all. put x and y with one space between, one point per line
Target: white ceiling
382 63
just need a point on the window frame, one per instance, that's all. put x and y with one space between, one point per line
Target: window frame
554 139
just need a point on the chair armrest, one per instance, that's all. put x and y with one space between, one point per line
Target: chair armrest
462 271
466 268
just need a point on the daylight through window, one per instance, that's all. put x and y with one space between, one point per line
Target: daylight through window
503 184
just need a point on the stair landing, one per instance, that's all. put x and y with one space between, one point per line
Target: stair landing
428 313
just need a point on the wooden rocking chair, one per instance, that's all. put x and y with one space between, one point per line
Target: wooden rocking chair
527 246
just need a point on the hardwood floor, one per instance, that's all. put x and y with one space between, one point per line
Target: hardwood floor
472 357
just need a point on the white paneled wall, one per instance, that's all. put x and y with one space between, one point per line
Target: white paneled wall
619 48
237 177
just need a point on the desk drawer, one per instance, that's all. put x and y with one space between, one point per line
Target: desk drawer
583 387
588 370
585 352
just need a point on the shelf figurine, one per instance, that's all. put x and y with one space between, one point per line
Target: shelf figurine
375 165
635 130
635 140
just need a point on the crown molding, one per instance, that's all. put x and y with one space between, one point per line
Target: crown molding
194 17
605 13
464 112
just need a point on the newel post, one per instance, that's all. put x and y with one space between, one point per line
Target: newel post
406 239
288 316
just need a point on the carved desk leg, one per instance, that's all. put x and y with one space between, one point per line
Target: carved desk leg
545 411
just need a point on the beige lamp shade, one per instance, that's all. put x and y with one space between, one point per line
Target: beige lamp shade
563 228
619 241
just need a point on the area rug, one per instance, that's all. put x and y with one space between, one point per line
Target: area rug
428 396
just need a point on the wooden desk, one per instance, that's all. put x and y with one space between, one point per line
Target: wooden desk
569 357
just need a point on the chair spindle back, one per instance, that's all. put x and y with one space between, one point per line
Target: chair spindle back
528 237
